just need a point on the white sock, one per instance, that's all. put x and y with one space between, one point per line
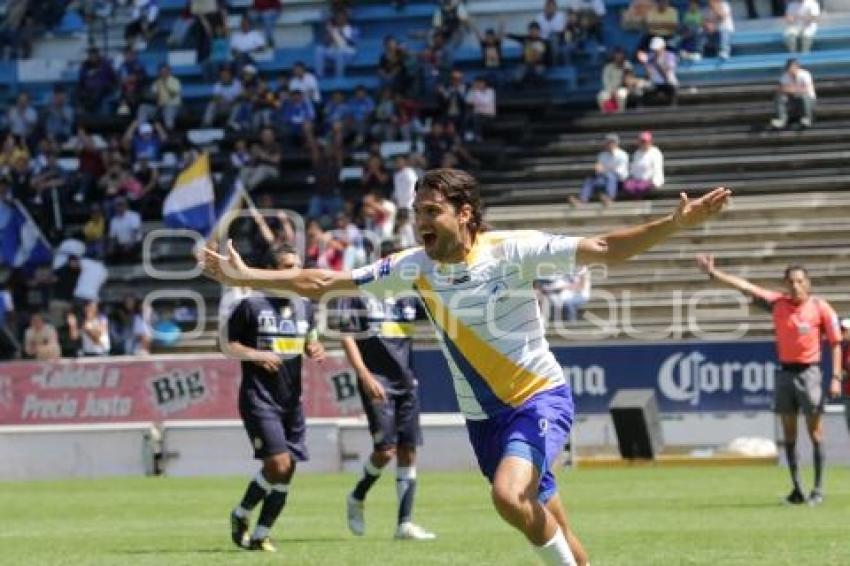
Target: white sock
557 551
260 532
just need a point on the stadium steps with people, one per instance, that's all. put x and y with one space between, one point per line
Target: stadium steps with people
705 140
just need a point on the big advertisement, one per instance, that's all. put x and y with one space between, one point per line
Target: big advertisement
154 389
686 376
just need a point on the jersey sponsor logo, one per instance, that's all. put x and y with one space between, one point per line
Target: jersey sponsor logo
459 280
498 291
266 321
287 345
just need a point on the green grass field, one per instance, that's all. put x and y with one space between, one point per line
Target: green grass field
627 517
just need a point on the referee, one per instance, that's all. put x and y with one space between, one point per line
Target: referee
801 321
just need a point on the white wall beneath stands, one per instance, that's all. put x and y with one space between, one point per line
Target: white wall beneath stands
222 448
71 452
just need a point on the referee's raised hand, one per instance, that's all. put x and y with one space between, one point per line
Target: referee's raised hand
692 213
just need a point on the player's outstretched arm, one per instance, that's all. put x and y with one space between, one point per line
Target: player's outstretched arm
311 283
622 244
706 264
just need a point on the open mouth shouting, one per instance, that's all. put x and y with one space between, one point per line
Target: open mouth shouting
427 238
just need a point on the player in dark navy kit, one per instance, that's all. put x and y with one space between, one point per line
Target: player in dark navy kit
270 334
380 353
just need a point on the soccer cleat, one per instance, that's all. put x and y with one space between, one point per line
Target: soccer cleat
239 527
356 519
262 544
796 497
815 498
805 123
412 531
777 124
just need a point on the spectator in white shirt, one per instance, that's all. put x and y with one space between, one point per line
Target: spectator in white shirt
404 186
646 171
611 169
613 96
130 328
482 100
95 331
719 25
795 86
340 44
801 24
565 295
125 234
306 82
22 117
553 23
246 41
225 94
40 339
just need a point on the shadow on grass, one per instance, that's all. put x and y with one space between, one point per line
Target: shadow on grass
762 504
224 550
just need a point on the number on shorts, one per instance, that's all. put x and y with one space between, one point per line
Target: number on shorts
544 426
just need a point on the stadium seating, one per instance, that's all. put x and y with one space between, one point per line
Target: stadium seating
545 142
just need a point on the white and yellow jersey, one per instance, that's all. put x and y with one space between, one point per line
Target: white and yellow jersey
485 313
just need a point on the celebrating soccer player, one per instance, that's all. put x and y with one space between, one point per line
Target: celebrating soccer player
800 322
269 335
477 290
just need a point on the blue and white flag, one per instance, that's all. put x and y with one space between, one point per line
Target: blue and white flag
23 244
190 202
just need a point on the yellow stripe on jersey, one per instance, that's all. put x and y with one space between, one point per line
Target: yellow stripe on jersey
288 345
508 381
396 329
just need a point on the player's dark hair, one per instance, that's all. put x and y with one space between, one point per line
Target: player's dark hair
795 267
459 188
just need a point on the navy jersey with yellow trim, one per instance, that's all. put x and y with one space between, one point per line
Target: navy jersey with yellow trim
272 324
384 336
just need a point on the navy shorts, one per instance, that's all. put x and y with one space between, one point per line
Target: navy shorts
537 431
273 430
396 422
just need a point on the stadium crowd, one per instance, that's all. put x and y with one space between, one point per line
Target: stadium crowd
366 149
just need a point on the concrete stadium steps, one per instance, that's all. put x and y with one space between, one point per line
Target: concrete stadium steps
784 205
756 113
549 192
680 168
695 139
